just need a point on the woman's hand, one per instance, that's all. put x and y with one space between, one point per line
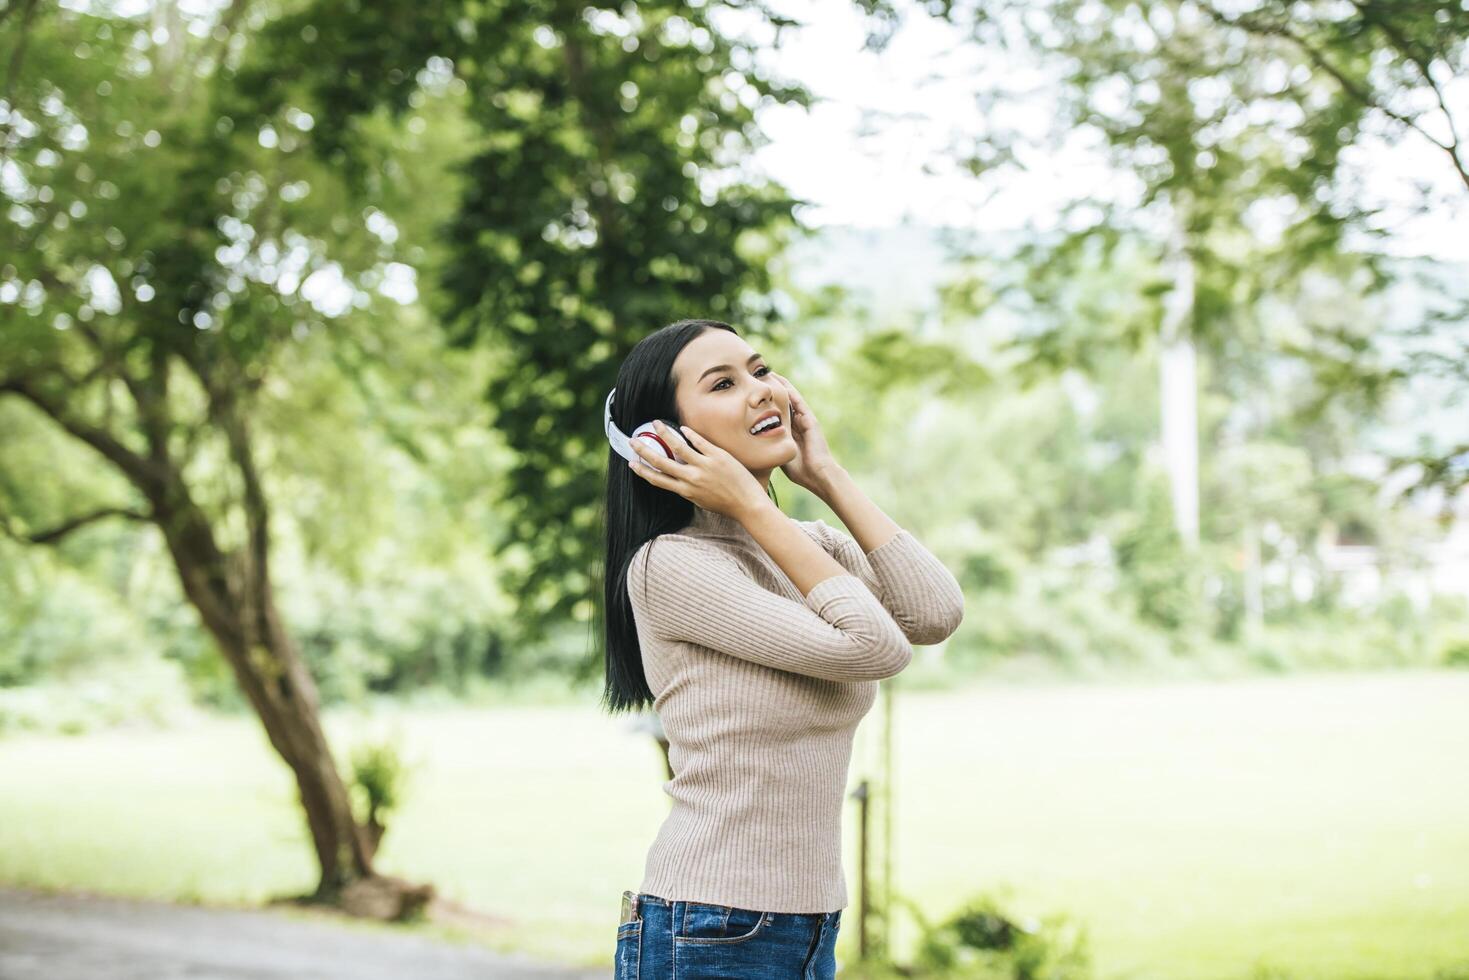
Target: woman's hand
813 460
711 477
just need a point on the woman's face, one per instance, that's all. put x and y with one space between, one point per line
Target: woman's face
722 389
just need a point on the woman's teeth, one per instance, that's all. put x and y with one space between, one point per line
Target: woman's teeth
772 423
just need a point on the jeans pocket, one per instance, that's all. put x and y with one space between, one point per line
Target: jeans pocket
720 924
629 950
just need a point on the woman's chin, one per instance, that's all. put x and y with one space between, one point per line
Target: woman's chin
786 453
778 453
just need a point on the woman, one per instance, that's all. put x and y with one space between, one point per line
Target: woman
759 642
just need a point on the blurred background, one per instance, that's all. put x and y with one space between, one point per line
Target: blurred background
1150 319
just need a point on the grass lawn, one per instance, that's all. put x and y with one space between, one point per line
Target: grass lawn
1306 826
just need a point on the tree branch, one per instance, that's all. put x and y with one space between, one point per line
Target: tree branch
143 472
1356 91
223 401
61 530
108 362
1408 49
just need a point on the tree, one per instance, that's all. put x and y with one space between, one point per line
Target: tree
1397 62
158 264
605 198
1235 125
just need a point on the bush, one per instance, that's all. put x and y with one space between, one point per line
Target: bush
1389 636
69 627
985 941
1453 650
1068 620
140 691
379 776
1158 570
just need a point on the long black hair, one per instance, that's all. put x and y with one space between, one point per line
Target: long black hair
636 511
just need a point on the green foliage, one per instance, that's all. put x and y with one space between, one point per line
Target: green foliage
135 690
1162 575
1236 122
1396 634
986 939
416 629
1065 620
1453 650
55 629
379 779
591 208
553 184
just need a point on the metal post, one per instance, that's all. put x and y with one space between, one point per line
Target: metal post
861 795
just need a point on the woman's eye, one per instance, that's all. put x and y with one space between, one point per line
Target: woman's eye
762 367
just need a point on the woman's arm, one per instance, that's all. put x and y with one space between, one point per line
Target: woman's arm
864 519
806 562
916 588
687 590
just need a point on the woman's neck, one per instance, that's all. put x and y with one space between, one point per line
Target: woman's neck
715 524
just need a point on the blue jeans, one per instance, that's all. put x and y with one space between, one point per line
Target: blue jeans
700 941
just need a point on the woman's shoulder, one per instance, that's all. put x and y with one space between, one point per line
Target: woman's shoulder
673 551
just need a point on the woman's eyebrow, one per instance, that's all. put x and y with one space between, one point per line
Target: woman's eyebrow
728 367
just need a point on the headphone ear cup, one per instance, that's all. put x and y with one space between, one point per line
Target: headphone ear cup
651 438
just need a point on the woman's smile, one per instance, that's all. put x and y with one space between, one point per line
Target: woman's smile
763 427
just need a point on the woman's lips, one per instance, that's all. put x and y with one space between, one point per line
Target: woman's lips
779 426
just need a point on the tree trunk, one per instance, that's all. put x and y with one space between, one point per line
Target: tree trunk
1178 388
233 594
236 600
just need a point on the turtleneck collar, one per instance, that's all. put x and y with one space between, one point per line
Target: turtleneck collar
715 524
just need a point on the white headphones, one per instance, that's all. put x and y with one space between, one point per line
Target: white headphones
622 442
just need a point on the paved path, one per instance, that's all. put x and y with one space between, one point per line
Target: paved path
76 937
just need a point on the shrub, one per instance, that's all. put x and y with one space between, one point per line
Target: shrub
985 941
136 691
377 784
1453 650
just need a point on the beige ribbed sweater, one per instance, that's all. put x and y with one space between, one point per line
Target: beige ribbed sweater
760 691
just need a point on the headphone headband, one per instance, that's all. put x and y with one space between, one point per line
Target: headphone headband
622 441
616 436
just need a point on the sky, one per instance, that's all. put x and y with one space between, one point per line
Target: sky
878 178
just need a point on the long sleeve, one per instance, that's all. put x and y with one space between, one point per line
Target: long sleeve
682 589
916 589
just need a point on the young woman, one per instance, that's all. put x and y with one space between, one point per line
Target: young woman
759 641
